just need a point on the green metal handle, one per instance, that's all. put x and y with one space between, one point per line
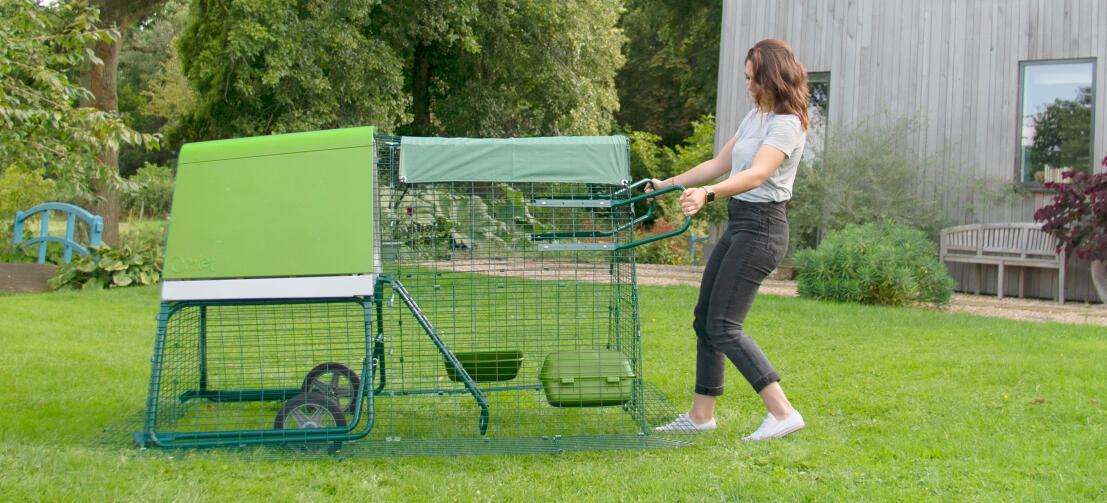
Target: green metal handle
674 232
647 195
622 202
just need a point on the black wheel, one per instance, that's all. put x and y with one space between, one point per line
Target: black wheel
308 411
334 380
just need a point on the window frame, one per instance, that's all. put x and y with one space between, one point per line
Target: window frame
1031 185
824 76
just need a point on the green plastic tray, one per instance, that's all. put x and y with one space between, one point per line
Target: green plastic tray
587 378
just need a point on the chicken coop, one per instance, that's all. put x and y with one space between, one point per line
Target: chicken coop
342 293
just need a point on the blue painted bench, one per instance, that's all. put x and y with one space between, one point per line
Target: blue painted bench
95 224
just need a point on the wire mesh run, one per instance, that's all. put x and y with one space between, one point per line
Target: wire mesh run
526 286
241 373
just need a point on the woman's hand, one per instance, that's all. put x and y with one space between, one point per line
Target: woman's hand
653 185
691 200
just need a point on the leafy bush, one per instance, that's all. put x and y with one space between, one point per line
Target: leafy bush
866 174
671 251
1077 215
876 263
11 252
154 192
22 188
650 160
108 267
147 238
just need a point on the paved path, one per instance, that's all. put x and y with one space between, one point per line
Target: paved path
983 305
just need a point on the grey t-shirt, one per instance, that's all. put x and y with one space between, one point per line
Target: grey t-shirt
783 132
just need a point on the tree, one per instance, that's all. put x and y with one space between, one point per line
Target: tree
537 68
420 33
273 66
46 130
466 67
671 72
153 93
1062 133
117 15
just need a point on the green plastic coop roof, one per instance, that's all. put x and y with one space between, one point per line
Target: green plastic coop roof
579 159
297 204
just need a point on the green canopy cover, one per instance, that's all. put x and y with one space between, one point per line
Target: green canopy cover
574 159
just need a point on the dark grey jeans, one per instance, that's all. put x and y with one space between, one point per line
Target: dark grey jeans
754 243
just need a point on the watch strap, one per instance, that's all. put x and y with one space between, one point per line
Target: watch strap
710 193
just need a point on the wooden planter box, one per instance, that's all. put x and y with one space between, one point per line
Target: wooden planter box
25 277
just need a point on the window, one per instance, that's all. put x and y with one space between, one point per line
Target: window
817 109
1055 119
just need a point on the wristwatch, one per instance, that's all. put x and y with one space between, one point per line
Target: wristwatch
710 193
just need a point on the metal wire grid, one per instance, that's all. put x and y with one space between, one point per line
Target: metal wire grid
228 370
469 254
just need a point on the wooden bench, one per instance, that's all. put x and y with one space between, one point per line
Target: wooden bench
1019 244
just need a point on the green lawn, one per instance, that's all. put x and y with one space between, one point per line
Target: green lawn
900 405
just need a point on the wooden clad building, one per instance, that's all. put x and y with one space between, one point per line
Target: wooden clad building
977 77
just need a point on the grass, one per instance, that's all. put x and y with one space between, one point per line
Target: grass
900 405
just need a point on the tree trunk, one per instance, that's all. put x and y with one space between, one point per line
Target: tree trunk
101 81
1099 279
420 89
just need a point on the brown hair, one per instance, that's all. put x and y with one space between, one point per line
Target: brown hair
779 78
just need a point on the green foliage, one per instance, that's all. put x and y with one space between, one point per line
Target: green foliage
107 267
274 66
462 221
537 68
154 191
487 68
649 159
876 263
22 253
866 174
42 126
153 92
1063 134
671 251
21 188
147 237
646 155
671 72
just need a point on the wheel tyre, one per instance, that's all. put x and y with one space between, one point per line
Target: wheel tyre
307 411
318 382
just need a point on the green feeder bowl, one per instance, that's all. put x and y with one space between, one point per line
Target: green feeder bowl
487 366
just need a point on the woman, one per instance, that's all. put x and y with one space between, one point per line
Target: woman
761 160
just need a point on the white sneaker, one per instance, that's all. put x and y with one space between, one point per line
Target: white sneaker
684 423
772 428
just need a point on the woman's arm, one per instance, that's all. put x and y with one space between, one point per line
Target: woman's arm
705 171
765 162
